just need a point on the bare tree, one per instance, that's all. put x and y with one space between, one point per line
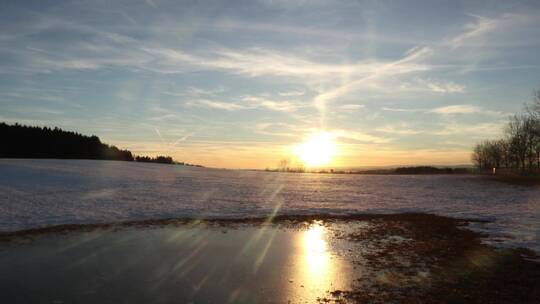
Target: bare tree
535 114
534 107
478 157
521 146
504 148
284 165
516 132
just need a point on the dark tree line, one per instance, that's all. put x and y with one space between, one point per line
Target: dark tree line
18 141
429 170
158 159
520 146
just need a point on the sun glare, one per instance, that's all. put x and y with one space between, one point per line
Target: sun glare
317 150
314 239
316 253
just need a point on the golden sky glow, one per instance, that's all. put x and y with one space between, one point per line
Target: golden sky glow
262 155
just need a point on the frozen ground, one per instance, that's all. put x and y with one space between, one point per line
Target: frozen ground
39 193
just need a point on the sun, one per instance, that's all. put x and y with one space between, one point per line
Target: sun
317 150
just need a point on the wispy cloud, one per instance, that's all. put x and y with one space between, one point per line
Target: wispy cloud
404 65
278 129
359 136
196 91
451 110
457 109
401 129
214 104
467 109
292 93
428 85
478 28
482 130
245 103
351 106
274 105
391 109
163 117
452 128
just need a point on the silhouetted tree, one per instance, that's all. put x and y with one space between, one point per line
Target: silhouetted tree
20 141
426 170
284 165
157 159
520 149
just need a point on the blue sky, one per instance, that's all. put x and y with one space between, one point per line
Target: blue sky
239 83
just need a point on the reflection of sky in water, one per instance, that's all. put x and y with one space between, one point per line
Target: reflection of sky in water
192 263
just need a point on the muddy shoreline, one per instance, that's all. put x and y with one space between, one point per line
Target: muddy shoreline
290 220
439 263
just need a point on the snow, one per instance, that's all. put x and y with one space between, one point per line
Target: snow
40 193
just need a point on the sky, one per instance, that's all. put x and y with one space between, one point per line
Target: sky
240 84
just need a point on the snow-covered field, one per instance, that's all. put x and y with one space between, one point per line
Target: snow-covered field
39 193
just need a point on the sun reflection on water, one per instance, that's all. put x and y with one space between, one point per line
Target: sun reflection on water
315 252
316 270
